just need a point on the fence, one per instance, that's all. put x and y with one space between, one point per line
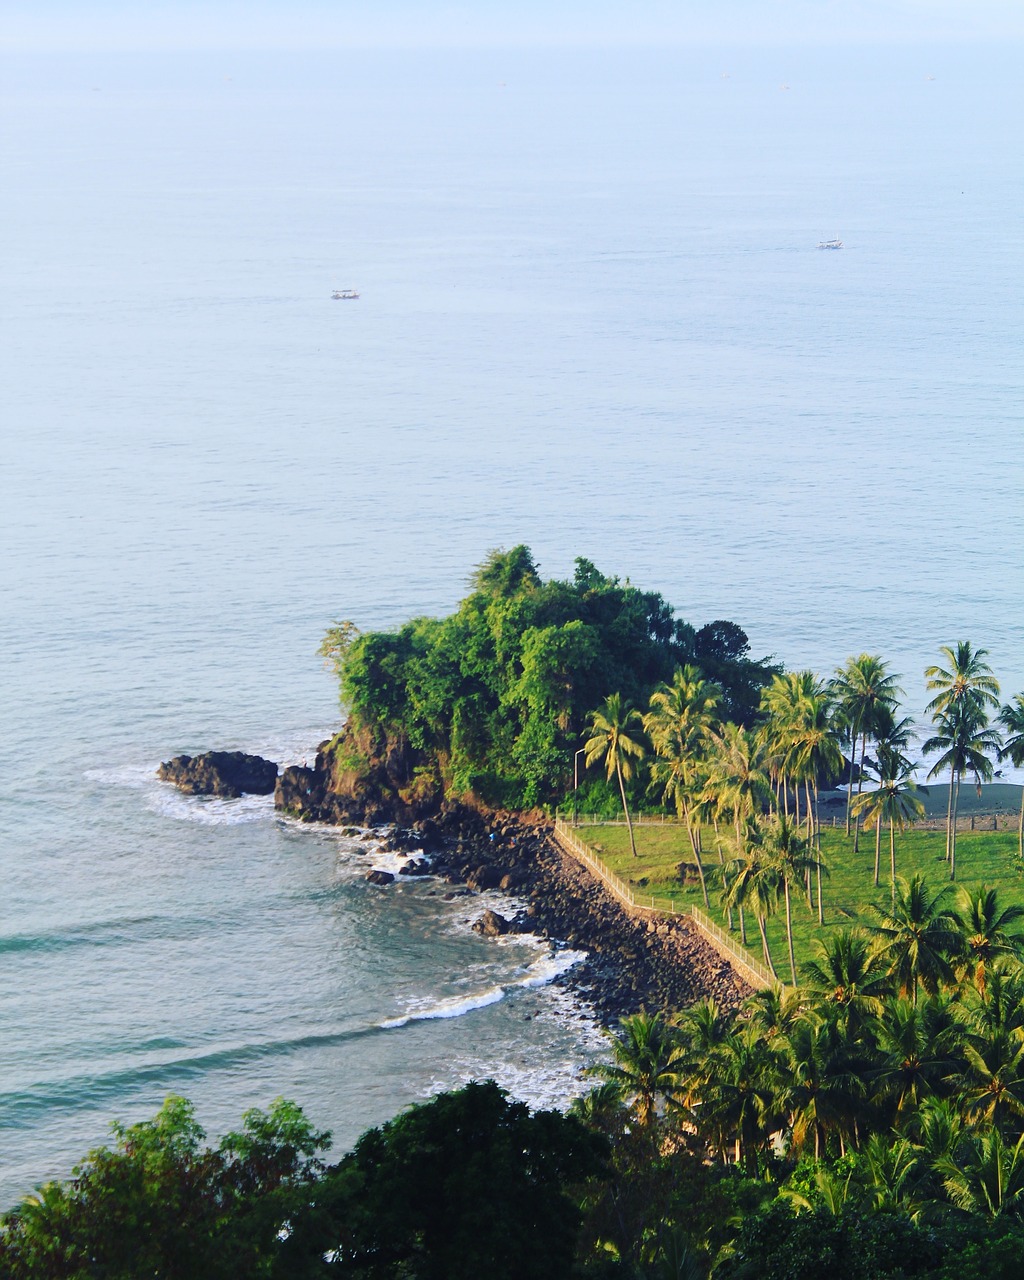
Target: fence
757 974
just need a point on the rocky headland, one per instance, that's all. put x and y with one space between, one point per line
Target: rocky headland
634 962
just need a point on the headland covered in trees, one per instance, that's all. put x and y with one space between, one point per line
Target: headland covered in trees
865 1122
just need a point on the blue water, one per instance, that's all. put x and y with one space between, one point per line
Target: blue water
592 318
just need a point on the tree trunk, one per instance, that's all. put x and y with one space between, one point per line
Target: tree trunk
892 853
853 752
789 935
878 844
1020 829
764 945
695 845
860 787
952 840
817 874
949 811
625 810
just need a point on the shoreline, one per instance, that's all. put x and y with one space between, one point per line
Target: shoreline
631 962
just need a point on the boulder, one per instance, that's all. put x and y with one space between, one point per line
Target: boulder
491 925
415 867
298 790
376 876
220 773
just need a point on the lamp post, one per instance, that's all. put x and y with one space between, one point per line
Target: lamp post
575 785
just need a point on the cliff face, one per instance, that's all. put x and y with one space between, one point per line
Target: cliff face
358 781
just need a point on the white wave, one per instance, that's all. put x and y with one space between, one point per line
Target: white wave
126 775
550 967
453 1007
544 971
211 811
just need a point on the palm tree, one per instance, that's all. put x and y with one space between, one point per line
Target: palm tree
611 742
965 689
736 783
849 976
965 742
738 1094
824 1084
1012 719
918 1047
894 801
790 856
864 689
646 1063
990 1180
754 879
984 925
915 937
678 724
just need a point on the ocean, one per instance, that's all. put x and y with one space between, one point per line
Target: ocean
592 318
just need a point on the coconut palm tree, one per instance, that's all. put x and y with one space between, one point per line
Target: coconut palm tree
754 880
966 742
680 718
916 936
824 1083
848 975
918 1052
864 688
792 860
736 784
989 1179
1011 717
613 743
985 928
646 1063
965 689
894 801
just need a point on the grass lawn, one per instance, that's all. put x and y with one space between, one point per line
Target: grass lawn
983 857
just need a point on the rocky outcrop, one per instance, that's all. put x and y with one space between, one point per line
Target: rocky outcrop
229 774
376 876
631 963
491 925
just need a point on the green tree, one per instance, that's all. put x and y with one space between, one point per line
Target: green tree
965 743
894 801
989 1180
964 689
678 723
865 690
1011 717
645 1066
985 926
916 937
613 743
788 854
161 1204
849 975
468 1184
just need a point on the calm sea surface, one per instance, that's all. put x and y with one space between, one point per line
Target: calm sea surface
593 319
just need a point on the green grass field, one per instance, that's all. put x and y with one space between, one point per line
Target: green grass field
983 857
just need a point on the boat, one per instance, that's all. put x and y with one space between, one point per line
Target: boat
830 244
344 295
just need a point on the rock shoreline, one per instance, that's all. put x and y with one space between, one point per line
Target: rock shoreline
633 962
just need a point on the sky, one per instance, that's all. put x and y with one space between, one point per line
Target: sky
40 25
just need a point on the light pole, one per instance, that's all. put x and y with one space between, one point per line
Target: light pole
575 785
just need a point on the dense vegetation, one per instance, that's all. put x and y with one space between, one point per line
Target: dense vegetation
493 699
866 1127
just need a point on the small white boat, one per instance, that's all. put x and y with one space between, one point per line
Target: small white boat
344 295
830 244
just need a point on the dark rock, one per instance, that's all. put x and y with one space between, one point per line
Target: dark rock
379 877
484 877
491 925
415 867
298 791
220 773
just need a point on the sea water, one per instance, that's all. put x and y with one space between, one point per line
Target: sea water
592 318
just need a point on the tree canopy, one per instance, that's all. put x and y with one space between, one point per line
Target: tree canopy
496 696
